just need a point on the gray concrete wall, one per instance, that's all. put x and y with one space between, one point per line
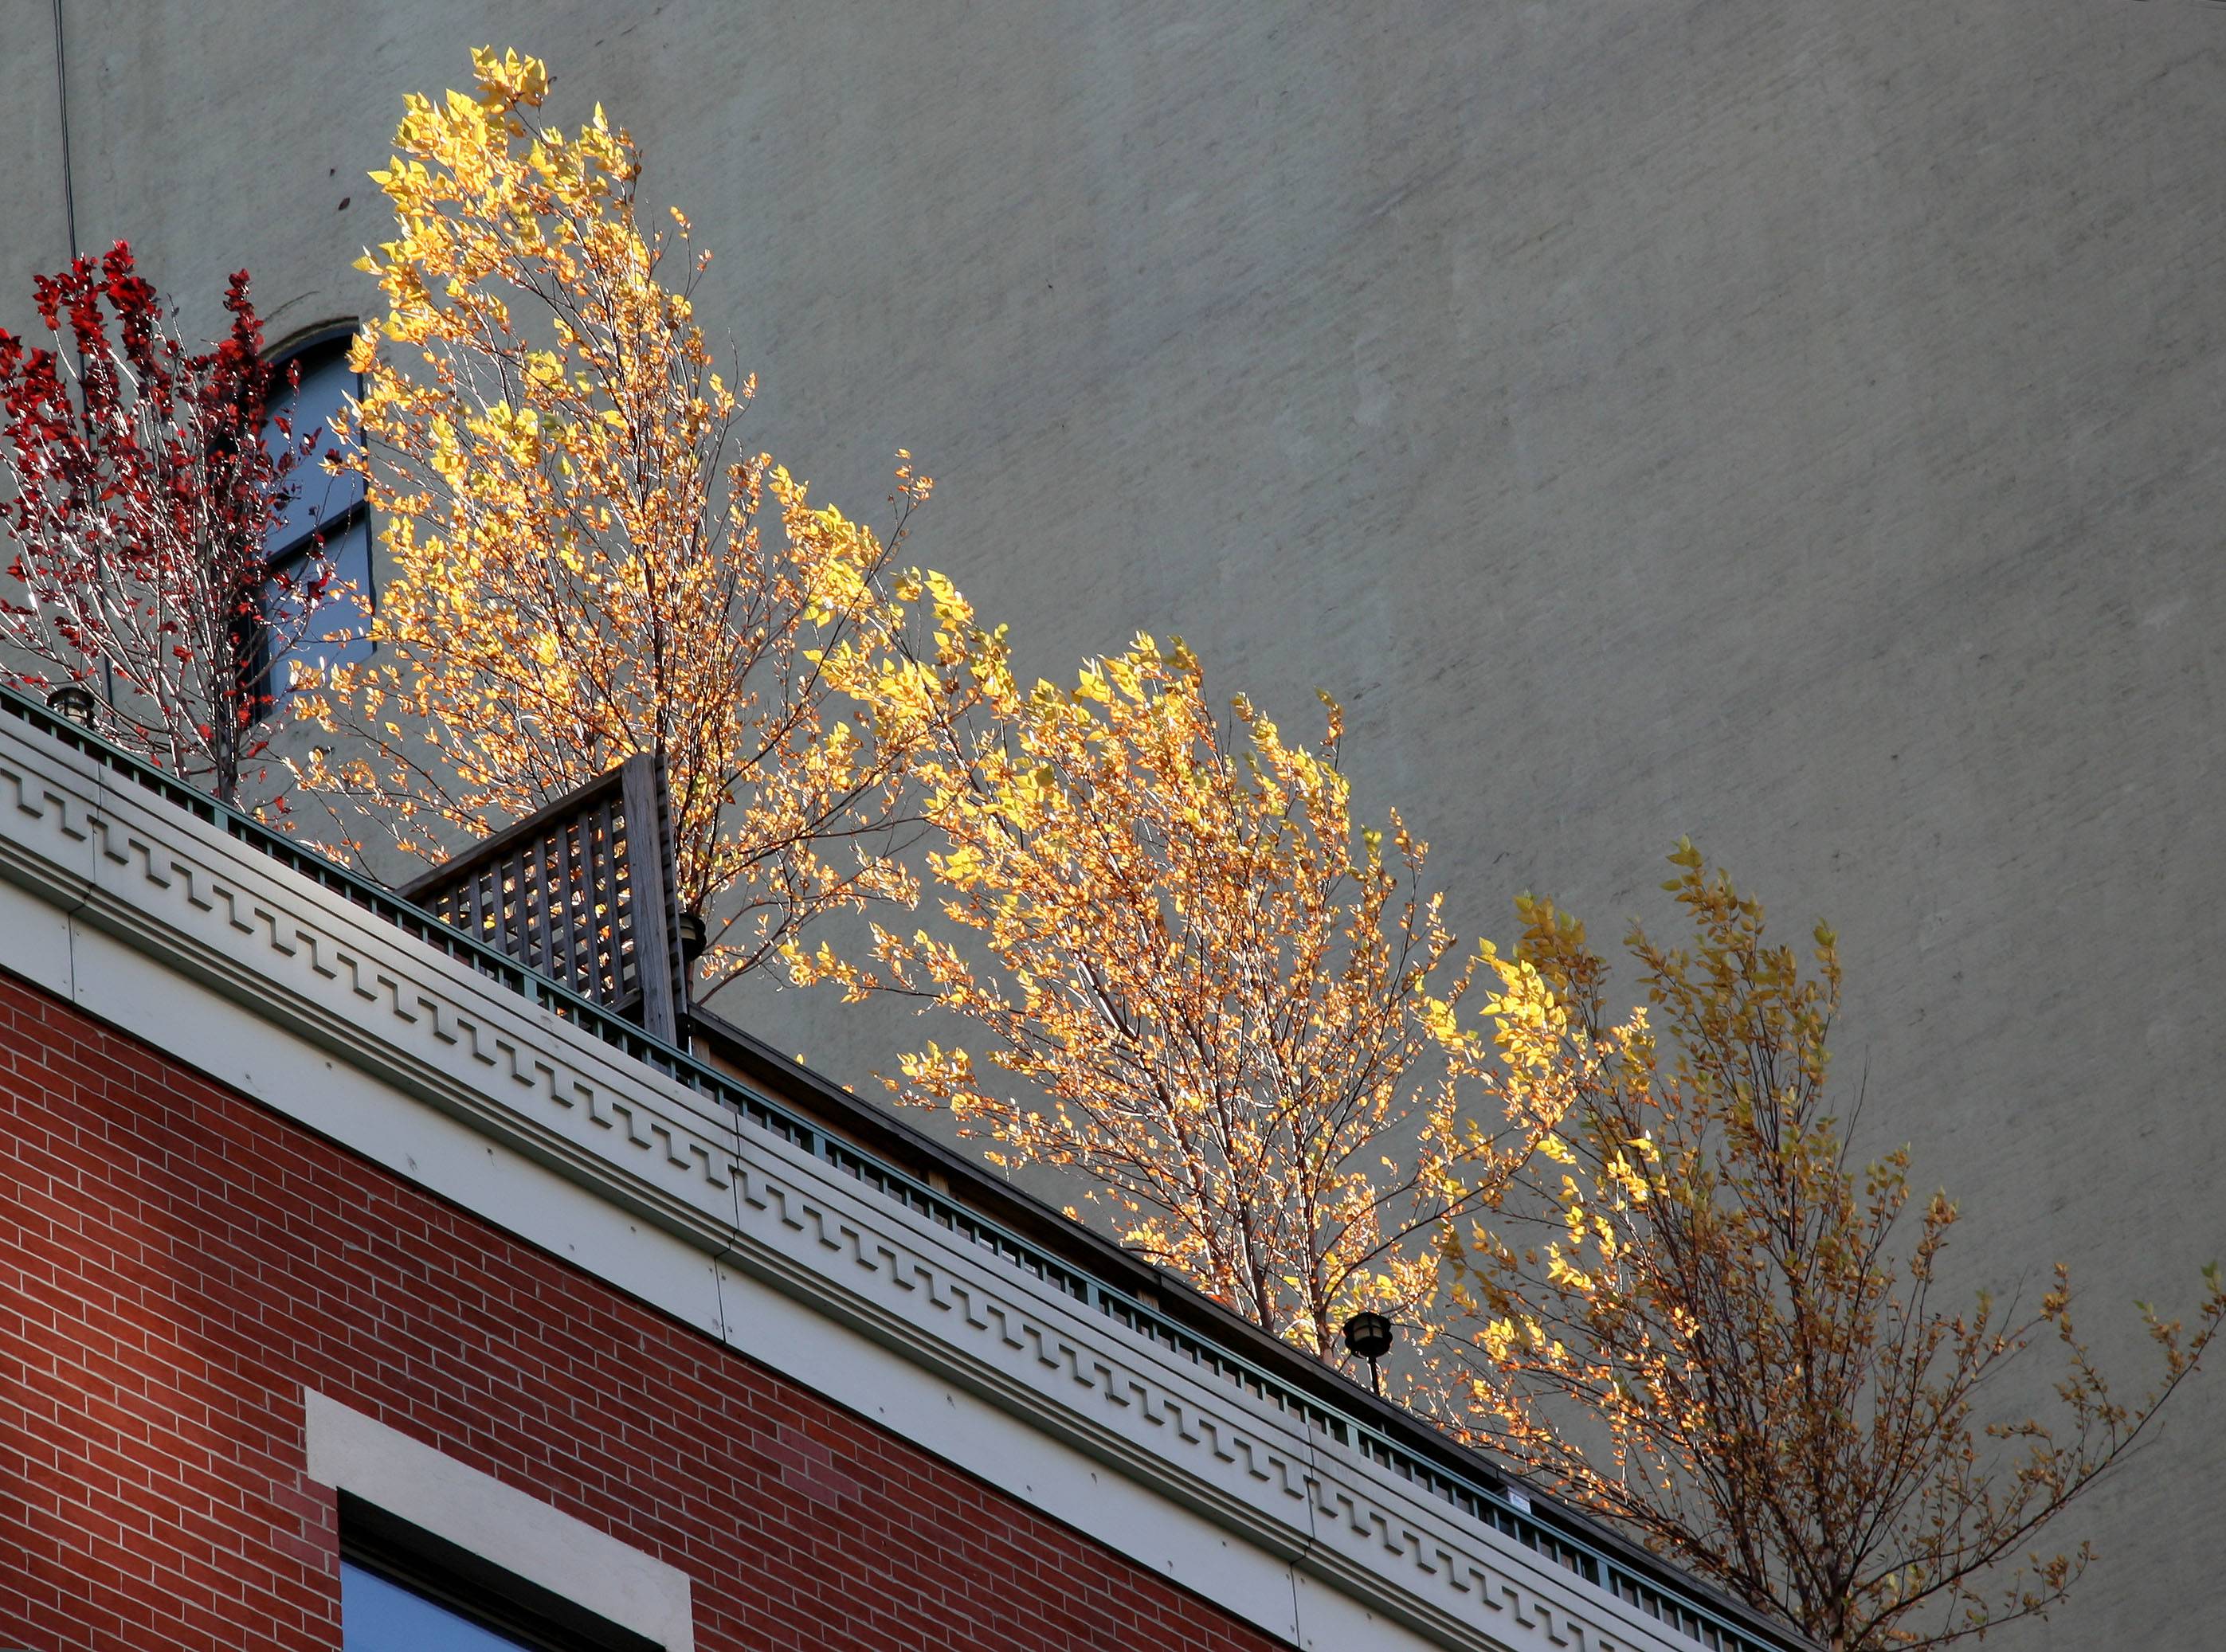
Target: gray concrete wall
1795 425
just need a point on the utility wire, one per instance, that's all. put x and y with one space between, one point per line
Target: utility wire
61 106
69 228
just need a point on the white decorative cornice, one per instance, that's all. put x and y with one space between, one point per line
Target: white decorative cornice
126 879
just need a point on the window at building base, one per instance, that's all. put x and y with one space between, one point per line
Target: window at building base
405 1589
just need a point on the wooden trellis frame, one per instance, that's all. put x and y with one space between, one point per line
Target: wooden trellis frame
583 892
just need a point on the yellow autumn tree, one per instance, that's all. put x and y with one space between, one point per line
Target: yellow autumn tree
583 564
1716 1340
1191 981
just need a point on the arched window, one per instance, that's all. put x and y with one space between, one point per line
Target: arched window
326 516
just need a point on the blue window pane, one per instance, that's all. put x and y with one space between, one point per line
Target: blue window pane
335 632
377 1615
318 499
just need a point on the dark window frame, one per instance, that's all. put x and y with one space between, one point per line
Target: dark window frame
319 344
474 1588
327 342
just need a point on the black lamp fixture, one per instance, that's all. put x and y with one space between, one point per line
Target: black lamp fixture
73 701
1368 1335
695 937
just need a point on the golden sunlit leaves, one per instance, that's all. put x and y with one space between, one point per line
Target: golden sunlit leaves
1714 1344
1241 1034
580 565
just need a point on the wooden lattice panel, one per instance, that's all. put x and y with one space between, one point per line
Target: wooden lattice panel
580 893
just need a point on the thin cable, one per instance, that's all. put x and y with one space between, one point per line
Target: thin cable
69 228
61 105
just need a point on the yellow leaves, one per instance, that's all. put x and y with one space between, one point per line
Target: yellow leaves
1622 1170
578 572
1562 1271
962 868
952 611
1717 1311
1123 674
509 80
1256 1060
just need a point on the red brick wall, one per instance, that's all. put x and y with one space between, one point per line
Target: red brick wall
176 1264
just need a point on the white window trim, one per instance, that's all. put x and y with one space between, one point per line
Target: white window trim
503 1526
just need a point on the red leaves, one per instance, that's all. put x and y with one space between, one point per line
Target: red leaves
143 491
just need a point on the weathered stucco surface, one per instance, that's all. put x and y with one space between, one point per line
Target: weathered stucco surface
1794 424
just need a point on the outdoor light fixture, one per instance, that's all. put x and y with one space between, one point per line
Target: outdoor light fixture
695 937
74 702
1368 1335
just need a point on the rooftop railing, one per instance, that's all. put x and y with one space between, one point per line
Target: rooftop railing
1650 1588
